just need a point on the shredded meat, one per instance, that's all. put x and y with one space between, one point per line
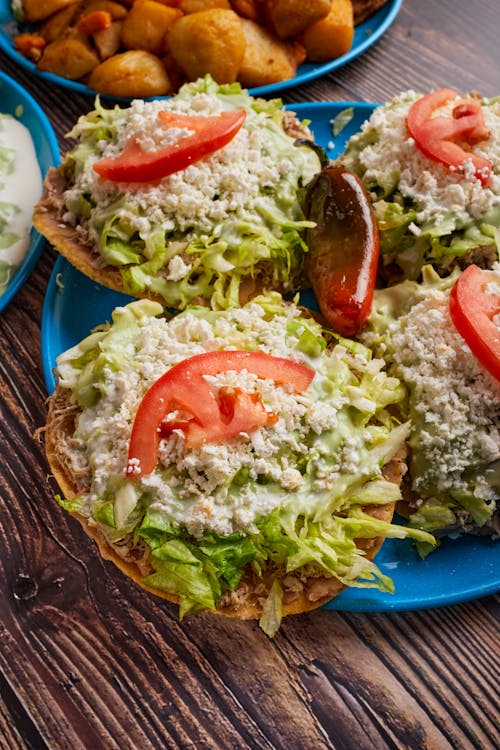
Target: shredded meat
293 127
395 470
64 447
483 256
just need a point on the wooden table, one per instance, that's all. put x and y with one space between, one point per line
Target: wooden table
88 660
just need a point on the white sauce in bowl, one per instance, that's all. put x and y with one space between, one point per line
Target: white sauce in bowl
20 189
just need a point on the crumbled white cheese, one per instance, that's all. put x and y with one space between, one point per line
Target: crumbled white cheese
456 401
436 191
227 182
177 268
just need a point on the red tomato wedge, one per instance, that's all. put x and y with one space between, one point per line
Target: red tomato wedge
474 303
210 134
183 388
440 138
343 248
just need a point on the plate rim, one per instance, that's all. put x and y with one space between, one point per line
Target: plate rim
387 15
37 241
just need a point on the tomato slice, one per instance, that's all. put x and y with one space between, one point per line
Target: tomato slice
210 134
239 412
343 248
474 303
442 138
205 419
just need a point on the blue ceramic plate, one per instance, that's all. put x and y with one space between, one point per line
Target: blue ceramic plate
14 100
365 35
459 570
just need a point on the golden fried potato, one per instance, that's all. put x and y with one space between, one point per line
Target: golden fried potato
54 26
211 41
194 6
363 9
290 17
252 9
170 3
135 73
147 24
129 3
332 36
70 56
267 59
107 41
116 10
39 10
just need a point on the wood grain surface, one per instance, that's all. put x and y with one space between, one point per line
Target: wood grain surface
89 661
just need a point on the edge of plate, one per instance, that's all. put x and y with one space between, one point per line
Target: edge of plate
37 242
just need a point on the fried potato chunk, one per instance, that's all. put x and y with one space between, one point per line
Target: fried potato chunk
290 17
194 6
255 42
71 55
252 9
39 10
332 36
135 73
211 41
267 59
147 24
54 26
108 41
363 9
115 10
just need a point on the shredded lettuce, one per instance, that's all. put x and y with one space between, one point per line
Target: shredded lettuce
272 610
180 571
7 271
342 120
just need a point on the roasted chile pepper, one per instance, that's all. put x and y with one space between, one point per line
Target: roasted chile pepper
343 248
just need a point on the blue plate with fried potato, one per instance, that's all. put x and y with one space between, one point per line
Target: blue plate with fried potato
365 35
